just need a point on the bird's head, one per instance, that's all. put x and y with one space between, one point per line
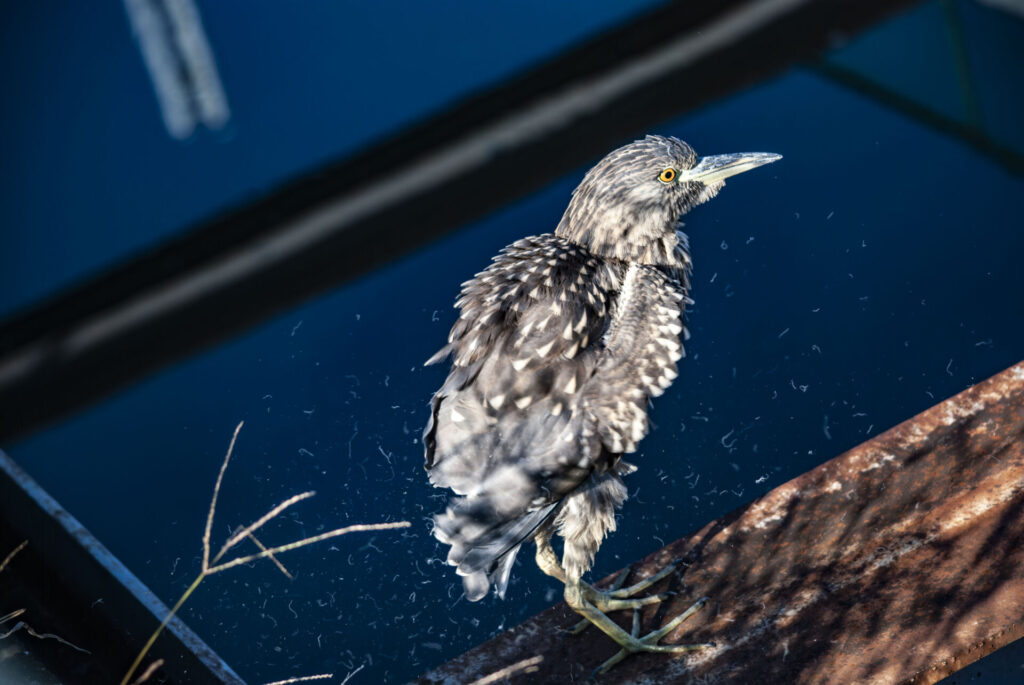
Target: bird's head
632 199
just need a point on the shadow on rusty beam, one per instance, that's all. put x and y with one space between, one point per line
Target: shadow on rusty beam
900 561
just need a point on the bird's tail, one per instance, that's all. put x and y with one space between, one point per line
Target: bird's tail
483 543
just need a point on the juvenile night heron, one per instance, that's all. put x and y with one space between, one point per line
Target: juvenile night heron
560 344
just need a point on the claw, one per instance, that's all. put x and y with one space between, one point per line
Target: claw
617 598
578 627
649 642
645 583
592 604
619 579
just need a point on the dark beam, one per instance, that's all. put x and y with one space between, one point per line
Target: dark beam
71 586
333 225
976 137
900 561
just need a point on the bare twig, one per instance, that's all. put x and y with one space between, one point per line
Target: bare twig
526 666
357 528
21 625
302 679
209 568
7 559
271 556
11 616
260 522
213 500
148 673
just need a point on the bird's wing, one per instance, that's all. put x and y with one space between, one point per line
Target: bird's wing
506 427
527 340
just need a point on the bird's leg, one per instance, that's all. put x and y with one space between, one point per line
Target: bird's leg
603 600
546 558
575 597
548 562
585 599
617 583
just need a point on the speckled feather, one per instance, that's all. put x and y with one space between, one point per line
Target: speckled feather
559 345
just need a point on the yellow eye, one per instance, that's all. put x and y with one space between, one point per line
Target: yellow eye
667 176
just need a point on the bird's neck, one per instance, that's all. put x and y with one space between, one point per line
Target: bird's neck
668 250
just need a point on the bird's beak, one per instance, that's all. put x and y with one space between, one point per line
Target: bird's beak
710 170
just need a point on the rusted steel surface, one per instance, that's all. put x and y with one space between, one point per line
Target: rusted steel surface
900 561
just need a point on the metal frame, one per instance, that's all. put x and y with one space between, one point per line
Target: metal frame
80 591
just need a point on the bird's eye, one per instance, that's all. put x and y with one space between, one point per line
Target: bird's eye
667 176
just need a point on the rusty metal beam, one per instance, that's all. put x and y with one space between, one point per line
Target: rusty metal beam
900 561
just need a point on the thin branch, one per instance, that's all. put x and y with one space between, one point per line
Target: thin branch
271 556
238 536
163 624
260 522
13 615
526 665
302 679
213 500
7 559
148 673
21 625
357 528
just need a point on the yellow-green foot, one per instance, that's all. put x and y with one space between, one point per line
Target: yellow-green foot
649 642
584 598
615 598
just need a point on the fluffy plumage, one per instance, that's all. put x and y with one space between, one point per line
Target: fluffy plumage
559 345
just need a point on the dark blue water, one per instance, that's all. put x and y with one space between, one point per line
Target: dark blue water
91 176
872 272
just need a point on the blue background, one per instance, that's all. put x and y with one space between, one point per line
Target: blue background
872 272
91 176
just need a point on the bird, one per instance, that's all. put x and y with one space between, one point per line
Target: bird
559 346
